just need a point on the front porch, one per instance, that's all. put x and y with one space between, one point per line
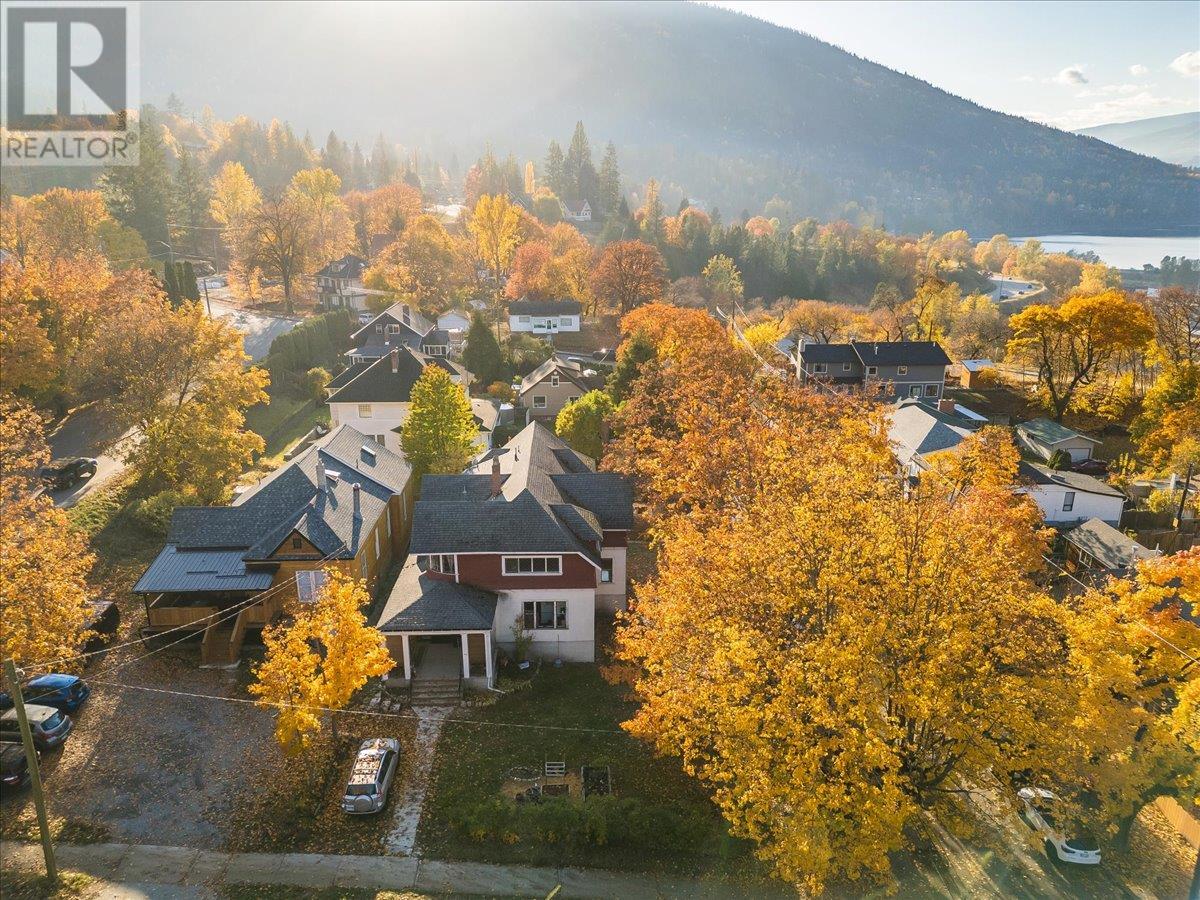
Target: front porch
426 656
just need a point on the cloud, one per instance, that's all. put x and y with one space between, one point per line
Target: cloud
1026 79
1109 90
1137 70
1115 109
1187 64
1072 75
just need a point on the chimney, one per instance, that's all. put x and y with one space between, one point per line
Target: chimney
322 481
395 360
946 406
357 500
496 482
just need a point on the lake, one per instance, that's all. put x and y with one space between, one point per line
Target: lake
1122 252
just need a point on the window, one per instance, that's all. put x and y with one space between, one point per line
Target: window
532 565
901 370
554 380
564 321
606 571
297 542
931 390
377 543
540 614
364 410
387 523
572 398
914 390
310 582
872 370
1068 501
379 329
539 401
846 367
393 329
524 320
446 563
820 368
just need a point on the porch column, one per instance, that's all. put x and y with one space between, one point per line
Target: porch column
466 654
487 655
407 656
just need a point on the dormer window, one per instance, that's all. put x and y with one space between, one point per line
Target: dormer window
901 370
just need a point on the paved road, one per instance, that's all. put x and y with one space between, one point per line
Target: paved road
1012 290
258 329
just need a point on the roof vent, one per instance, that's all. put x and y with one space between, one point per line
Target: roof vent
332 476
370 451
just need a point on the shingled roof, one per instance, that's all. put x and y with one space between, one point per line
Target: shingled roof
422 602
291 499
544 308
918 429
571 370
377 382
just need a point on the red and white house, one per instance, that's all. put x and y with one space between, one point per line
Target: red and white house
529 541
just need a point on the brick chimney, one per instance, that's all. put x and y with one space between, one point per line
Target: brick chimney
497 483
322 480
395 360
946 406
357 500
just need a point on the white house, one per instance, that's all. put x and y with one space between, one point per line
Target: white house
455 319
1044 437
581 214
544 316
1068 498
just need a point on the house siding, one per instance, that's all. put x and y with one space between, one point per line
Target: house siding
1049 499
485 570
1079 448
556 397
575 643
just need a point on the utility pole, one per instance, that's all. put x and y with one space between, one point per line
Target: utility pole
35 776
208 302
1187 482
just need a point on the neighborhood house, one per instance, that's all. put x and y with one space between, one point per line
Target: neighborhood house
526 547
1096 548
544 316
339 284
397 326
554 384
920 431
1043 437
909 368
1067 498
226 570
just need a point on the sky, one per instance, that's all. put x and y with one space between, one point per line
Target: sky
1068 64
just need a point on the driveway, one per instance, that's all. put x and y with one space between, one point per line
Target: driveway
258 330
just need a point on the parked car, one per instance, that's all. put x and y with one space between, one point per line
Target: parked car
371 776
65 693
49 726
1097 468
103 622
61 474
1038 809
14 769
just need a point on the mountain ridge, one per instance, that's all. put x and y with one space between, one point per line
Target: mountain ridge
1174 139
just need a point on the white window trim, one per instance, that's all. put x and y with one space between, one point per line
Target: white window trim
442 563
364 410
872 370
846 367
901 370
504 564
565 626
309 583
523 320
539 401
554 380
820 368
1068 504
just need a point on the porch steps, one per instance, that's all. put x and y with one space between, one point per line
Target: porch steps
436 691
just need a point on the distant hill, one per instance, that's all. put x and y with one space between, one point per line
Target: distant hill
724 108
1174 139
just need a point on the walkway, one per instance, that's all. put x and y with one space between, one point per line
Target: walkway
407 815
150 871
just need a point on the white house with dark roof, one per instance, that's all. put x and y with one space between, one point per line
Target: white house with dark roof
544 316
1068 498
531 539
343 503
890 369
1045 437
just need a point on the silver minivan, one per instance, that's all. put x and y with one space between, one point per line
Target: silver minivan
374 767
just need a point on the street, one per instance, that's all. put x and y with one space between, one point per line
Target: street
1011 290
258 330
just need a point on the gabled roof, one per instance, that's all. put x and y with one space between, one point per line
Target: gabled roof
377 383
919 429
569 369
976 365
349 266
900 353
292 499
1048 432
422 602
1072 481
397 314
544 308
1111 548
828 353
551 500
348 374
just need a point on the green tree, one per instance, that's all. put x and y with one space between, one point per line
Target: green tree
190 197
653 230
438 436
482 355
555 167
171 284
637 350
608 190
140 196
582 423
723 277
580 174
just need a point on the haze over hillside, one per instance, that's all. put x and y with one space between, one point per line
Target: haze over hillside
1174 139
726 109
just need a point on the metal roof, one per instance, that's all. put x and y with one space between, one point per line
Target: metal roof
183 571
1050 433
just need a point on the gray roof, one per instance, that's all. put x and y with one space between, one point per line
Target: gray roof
919 429
202 570
396 314
288 500
349 266
544 308
486 412
975 365
551 500
1048 432
1108 546
1075 481
422 602
828 353
900 353
377 383
568 369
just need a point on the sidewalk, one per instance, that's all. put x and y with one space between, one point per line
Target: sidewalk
152 871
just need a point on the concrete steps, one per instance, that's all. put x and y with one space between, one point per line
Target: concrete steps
436 692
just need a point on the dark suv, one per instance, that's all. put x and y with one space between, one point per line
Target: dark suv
14 769
66 473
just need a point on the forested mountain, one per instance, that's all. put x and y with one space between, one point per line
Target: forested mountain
725 109
1175 139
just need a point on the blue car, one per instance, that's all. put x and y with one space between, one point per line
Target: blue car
65 693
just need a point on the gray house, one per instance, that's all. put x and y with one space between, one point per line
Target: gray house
889 369
1043 437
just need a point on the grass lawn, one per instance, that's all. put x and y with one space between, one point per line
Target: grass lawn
283 421
123 547
473 760
35 886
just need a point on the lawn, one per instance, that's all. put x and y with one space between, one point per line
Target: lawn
284 421
685 835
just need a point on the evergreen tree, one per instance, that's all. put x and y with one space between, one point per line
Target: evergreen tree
140 196
171 285
637 350
608 189
653 230
683 204
383 162
438 437
482 355
189 202
336 159
555 168
358 168
186 281
580 174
